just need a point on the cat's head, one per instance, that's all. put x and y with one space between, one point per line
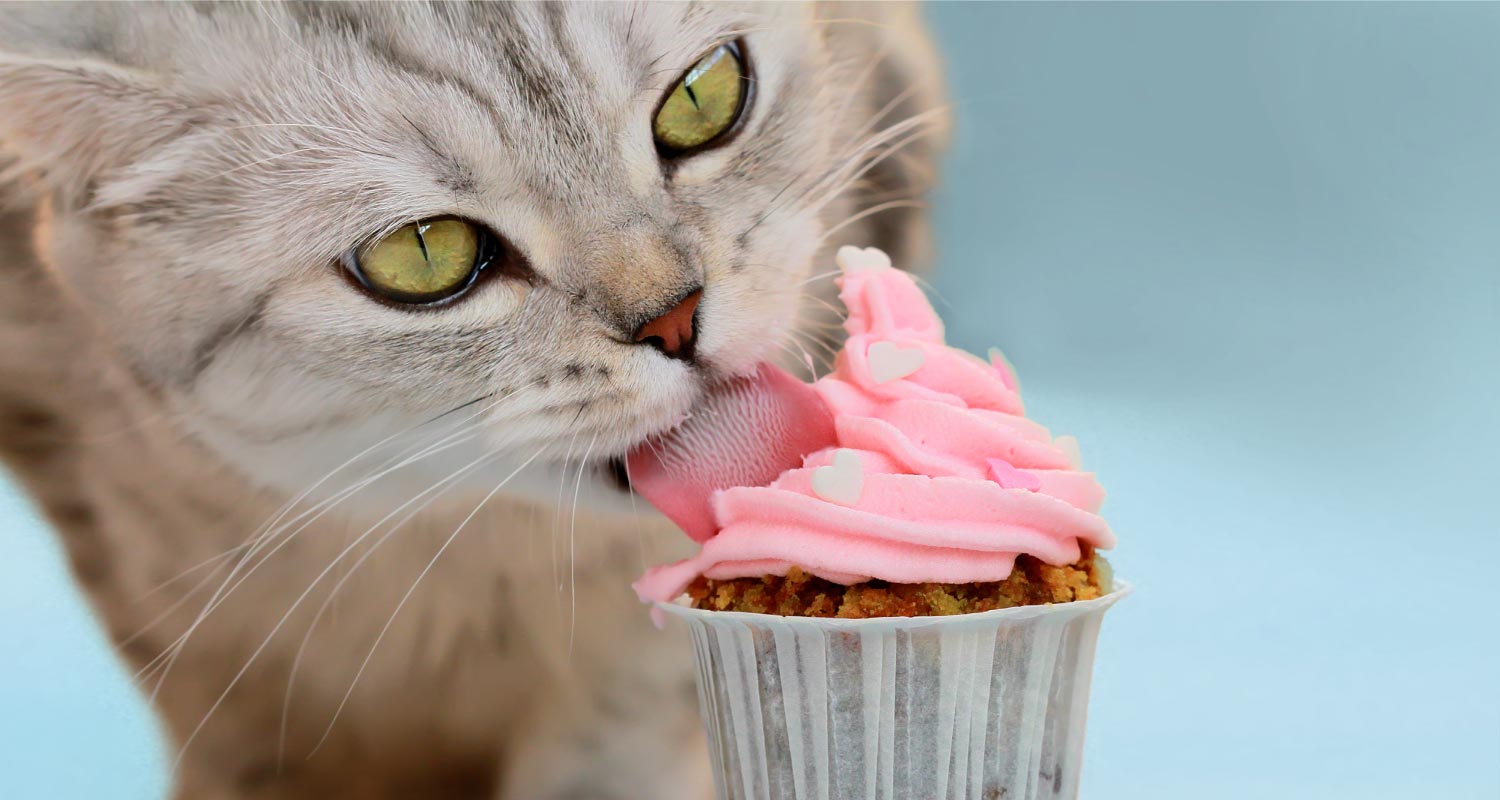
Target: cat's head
308 228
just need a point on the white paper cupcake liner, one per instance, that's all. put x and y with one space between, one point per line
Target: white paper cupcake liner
983 706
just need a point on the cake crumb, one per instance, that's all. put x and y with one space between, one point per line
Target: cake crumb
799 594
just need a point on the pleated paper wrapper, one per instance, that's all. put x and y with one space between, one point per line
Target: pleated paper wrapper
987 706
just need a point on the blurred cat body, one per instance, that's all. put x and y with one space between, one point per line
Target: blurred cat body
359 550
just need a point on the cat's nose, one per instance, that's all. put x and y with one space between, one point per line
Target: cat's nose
672 332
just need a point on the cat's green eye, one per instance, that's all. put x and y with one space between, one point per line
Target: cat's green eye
704 104
423 262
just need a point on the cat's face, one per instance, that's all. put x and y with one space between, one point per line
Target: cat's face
241 158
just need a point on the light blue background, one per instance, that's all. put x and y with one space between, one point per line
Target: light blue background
1249 255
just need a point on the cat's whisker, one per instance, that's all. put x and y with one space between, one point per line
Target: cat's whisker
177 604
933 291
313 125
867 162
861 82
227 588
735 33
800 355
830 354
867 143
317 510
891 105
218 559
573 546
405 458
562 483
203 583
635 514
821 276
298 603
776 204
825 347
174 648
655 449
344 579
872 210
853 21
391 620
276 517
268 159
727 35
807 359
877 148
306 57
890 141
856 162
830 307
141 424
830 328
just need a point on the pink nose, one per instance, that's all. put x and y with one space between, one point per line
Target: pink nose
672 332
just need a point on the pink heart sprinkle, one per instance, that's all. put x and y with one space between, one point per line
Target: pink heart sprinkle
1006 377
1009 477
1001 365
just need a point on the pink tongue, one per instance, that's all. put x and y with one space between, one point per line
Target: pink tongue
743 434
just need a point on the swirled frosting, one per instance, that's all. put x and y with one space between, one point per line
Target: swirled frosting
933 474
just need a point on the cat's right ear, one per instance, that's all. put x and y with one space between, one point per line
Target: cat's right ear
75 122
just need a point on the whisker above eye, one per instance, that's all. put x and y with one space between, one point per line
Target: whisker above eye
267 160
313 125
853 21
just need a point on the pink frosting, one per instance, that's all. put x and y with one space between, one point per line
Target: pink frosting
956 482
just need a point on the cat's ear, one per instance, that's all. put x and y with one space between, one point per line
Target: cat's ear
72 122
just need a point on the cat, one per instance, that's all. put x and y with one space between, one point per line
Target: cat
347 513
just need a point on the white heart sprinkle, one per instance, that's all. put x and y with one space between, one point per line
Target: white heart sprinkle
1069 446
855 259
843 481
889 362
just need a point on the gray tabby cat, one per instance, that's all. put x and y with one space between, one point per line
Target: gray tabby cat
318 324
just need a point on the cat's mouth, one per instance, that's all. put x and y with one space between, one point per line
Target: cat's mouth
617 475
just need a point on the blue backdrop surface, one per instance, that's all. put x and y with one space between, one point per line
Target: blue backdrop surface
1250 256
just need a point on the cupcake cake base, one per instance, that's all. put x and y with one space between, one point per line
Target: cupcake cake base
798 594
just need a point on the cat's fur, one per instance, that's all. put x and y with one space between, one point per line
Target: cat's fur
184 370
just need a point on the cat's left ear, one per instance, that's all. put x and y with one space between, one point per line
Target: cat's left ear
76 122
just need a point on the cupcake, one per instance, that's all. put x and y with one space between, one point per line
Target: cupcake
898 586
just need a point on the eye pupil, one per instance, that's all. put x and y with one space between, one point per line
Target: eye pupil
704 105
